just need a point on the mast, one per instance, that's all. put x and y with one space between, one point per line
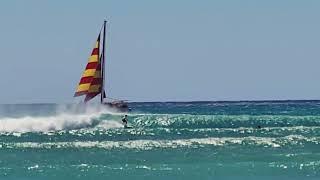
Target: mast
102 61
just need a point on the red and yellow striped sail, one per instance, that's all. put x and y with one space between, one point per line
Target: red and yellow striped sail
91 80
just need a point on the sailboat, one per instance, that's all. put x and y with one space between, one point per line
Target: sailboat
92 81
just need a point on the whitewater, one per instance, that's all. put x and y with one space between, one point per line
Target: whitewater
169 140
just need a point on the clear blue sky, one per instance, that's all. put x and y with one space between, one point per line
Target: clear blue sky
162 50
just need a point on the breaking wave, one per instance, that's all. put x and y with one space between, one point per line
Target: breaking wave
104 119
223 121
63 119
60 122
287 141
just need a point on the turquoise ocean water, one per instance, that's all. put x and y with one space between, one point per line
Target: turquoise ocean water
197 140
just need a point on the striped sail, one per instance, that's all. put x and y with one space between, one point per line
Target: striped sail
91 80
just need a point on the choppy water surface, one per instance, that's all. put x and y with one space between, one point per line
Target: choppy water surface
204 140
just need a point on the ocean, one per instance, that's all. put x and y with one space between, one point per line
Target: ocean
169 140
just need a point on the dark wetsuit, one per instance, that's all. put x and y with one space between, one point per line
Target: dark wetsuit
125 121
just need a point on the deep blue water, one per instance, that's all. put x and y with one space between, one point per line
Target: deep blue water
169 140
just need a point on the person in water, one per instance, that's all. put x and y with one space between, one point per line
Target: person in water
125 121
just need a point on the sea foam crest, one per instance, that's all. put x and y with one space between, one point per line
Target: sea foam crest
63 120
287 141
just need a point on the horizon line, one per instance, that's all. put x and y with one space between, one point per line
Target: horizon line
193 101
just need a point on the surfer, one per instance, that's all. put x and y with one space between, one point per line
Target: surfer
125 121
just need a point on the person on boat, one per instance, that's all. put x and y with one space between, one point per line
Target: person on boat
125 121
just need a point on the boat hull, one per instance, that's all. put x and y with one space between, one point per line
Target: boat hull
119 106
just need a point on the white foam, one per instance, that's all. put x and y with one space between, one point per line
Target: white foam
30 124
33 167
110 124
65 119
150 144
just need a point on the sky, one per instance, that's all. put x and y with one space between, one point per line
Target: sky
166 50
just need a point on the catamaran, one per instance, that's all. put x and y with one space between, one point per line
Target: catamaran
92 81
